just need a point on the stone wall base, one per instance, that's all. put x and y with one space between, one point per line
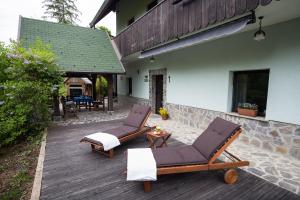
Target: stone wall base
274 136
128 101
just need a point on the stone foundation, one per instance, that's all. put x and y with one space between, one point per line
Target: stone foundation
274 136
128 101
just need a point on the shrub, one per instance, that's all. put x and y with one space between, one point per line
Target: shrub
27 80
102 85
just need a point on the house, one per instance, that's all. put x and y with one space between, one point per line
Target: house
80 52
202 58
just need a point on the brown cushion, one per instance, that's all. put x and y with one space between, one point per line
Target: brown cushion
177 156
121 131
215 136
137 115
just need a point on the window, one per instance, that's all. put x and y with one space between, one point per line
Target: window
130 21
251 87
151 5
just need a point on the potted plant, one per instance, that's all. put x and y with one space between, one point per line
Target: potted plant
248 109
164 113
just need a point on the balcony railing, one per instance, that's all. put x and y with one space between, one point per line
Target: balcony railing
166 21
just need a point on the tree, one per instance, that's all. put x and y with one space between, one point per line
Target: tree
64 11
104 28
102 86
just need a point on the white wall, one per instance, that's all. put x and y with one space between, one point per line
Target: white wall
200 75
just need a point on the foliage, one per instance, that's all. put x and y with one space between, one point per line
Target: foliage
104 28
163 112
102 85
15 187
64 11
62 90
21 177
27 80
14 193
248 106
24 156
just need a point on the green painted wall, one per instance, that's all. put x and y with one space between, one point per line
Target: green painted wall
128 9
201 75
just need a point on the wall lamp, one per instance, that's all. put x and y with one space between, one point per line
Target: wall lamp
260 34
152 59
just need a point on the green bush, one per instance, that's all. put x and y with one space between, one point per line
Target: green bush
27 79
102 85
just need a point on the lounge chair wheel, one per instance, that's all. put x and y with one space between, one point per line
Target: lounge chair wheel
230 176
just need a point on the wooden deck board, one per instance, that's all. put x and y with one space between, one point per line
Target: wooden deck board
73 171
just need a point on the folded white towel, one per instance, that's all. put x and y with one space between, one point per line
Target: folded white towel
109 141
141 165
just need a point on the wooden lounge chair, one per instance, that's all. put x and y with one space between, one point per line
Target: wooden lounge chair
133 126
202 154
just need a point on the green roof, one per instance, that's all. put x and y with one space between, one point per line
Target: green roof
78 49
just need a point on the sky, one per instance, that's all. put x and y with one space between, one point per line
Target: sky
11 9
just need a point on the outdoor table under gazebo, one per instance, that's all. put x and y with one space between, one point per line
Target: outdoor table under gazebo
81 52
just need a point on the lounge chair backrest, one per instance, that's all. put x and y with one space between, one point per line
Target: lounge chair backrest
137 115
215 136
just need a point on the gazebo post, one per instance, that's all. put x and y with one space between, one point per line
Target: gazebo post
110 92
56 111
100 85
94 79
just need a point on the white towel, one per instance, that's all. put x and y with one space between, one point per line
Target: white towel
141 165
109 141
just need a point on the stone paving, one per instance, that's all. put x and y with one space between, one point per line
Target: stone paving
85 116
283 171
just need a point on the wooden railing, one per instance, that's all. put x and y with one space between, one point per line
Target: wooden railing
166 21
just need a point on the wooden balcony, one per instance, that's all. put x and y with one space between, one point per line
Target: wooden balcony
167 21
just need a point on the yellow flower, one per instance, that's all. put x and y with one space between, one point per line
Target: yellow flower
163 112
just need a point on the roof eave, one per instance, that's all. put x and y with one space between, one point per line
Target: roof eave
106 7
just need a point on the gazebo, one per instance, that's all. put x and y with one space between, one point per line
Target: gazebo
80 51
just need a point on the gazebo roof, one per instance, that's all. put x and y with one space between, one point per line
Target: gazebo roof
78 49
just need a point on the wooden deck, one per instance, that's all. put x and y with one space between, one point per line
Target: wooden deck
72 171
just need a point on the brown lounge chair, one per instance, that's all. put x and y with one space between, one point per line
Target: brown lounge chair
133 126
202 154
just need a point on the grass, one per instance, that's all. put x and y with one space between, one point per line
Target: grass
16 183
17 168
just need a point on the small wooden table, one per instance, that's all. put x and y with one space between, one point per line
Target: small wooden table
154 137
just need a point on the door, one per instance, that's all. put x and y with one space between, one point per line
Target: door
158 92
129 86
